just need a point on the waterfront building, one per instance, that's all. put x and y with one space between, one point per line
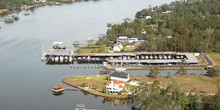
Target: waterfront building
39 0
120 76
122 39
117 47
137 39
148 17
115 86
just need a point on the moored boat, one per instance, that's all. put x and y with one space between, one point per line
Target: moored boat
16 18
9 20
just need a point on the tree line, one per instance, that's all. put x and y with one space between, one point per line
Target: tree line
191 26
11 4
150 97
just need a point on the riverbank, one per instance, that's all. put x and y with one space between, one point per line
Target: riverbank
189 83
95 85
8 11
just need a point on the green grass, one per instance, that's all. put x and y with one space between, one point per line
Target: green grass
215 58
201 60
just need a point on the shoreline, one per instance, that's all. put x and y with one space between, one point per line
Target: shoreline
93 92
190 83
148 68
8 11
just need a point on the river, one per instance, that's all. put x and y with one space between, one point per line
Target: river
25 81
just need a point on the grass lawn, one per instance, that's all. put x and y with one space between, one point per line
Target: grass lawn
201 60
92 80
197 83
215 58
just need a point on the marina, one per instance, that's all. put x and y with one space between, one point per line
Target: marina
26 82
122 59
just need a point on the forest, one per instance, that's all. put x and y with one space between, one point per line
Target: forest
11 4
150 97
182 26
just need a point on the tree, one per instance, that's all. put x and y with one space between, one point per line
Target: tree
157 82
150 98
154 71
181 71
213 72
104 90
168 75
84 84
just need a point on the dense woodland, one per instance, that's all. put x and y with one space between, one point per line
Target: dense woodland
173 98
13 4
192 26
10 4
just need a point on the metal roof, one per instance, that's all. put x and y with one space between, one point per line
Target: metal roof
59 52
119 75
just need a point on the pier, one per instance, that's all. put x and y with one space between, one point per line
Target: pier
120 59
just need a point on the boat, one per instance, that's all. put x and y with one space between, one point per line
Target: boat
109 23
57 88
120 69
80 107
16 18
76 43
9 20
26 14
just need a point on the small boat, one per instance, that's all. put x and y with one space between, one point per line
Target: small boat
26 14
80 107
120 69
109 23
76 43
9 20
13 15
16 18
42 58
57 88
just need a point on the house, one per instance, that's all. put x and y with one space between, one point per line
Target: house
117 47
137 39
168 11
122 39
115 86
39 0
148 17
134 39
120 76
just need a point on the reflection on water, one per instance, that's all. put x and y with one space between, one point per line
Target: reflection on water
113 101
58 93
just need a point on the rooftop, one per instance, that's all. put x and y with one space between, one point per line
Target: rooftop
119 75
57 86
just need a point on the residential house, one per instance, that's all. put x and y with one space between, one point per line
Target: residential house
137 39
39 0
168 11
115 86
120 76
148 17
117 47
122 39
